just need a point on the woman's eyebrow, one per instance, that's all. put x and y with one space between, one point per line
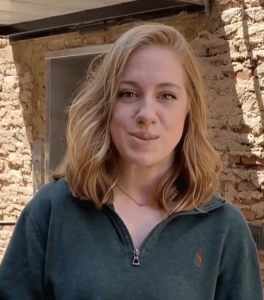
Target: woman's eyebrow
169 84
160 85
130 82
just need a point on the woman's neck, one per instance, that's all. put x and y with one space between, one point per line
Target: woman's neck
140 182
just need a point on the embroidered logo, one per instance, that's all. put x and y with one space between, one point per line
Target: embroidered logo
199 259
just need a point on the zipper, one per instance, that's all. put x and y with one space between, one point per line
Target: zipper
135 261
136 251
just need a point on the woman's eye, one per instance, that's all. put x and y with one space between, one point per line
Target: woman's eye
168 96
126 94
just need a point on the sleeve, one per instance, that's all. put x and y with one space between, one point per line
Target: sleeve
239 274
22 268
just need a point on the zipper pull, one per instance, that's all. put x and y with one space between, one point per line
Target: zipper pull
136 258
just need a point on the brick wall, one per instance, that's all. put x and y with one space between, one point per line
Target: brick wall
232 52
230 44
15 139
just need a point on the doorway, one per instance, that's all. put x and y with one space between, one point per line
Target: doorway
66 71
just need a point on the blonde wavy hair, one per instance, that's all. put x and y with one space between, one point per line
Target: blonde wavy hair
90 162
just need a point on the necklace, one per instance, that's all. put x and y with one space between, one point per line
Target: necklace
139 204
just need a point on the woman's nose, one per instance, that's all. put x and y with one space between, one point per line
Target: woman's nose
147 112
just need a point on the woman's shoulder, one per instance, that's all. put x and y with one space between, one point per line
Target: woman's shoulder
230 211
229 219
52 193
224 208
53 189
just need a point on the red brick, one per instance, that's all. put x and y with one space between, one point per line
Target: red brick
94 40
55 45
261 257
219 50
246 186
234 159
249 214
249 201
232 75
244 75
253 160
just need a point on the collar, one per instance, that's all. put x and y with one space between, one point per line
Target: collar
215 202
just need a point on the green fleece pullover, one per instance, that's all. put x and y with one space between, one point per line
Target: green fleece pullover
64 249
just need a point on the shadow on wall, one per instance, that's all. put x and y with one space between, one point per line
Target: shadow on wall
231 51
31 71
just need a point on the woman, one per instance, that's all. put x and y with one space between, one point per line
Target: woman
133 212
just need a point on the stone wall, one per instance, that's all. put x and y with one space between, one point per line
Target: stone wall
231 50
232 53
15 141
230 44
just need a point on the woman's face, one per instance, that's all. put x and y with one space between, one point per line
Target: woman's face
151 107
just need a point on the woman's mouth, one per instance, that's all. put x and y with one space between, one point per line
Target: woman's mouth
145 136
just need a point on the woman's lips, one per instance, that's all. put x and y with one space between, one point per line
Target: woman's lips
145 136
